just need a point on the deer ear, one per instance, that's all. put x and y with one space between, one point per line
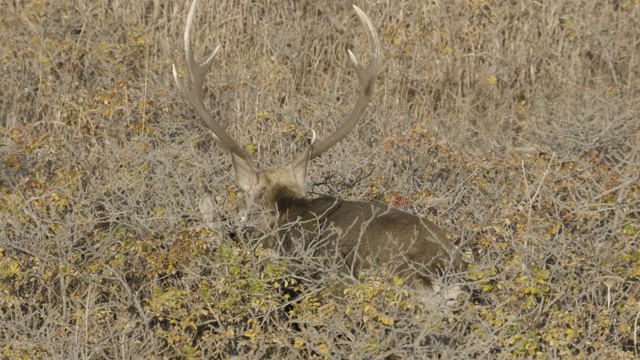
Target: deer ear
245 173
299 166
207 207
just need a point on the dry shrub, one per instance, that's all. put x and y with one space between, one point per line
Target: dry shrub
513 125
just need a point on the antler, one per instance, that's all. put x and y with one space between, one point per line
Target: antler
196 73
366 78
193 94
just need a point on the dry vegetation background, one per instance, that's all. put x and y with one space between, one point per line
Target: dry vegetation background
514 125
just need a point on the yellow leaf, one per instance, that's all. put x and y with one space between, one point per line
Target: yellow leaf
251 149
386 320
298 342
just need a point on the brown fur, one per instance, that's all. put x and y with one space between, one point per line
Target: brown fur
368 235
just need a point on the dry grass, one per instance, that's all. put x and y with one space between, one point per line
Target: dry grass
513 125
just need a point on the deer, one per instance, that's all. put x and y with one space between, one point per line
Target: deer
363 235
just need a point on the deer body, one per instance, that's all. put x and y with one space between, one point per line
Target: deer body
367 234
361 234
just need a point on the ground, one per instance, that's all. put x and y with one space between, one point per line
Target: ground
514 126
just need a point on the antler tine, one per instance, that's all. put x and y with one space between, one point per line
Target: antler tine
366 78
194 95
